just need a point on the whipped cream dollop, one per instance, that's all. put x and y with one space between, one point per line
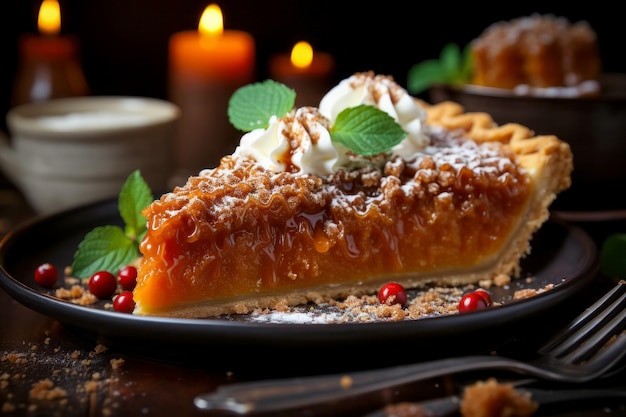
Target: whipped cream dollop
300 142
297 142
384 93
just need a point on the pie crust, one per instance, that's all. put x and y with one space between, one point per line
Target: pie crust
240 237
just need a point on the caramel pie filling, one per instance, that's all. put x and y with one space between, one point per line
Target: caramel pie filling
241 231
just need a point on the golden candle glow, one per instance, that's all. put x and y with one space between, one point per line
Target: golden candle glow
49 62
302 54
211 21
49 18
308 72
206 66
303 62
211 53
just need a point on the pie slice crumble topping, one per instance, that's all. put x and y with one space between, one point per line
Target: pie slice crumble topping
294 216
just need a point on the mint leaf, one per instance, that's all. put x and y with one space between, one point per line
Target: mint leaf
252 106
466 70
450 59
134 197
454 66
109 248
103 248
424 75
366 130
613 256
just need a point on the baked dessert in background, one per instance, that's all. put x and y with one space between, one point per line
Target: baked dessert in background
537 51
294 216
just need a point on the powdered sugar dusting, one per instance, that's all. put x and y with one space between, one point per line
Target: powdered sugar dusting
422 303
298 317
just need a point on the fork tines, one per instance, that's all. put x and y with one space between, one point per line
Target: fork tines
590 331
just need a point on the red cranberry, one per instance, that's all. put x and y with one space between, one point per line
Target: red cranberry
46 275
103 284
124 302
485 296
472 302
392 293
127 277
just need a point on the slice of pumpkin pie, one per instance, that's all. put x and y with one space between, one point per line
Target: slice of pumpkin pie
324 202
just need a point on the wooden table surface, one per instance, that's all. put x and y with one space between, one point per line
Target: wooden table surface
47 369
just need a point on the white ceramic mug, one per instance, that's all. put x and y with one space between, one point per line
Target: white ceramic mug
67 152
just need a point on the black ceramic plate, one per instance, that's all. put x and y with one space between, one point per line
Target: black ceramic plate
562 255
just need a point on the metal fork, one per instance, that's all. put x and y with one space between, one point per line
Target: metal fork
584 350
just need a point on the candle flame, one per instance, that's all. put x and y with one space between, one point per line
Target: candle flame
211 21
49 19
302 54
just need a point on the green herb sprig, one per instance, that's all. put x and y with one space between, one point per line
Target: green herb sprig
453 67
365 130
111 247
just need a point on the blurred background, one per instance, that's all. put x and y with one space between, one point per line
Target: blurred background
124 43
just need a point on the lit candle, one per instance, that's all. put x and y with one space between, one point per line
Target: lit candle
212 53
309 73
205 68
49 64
